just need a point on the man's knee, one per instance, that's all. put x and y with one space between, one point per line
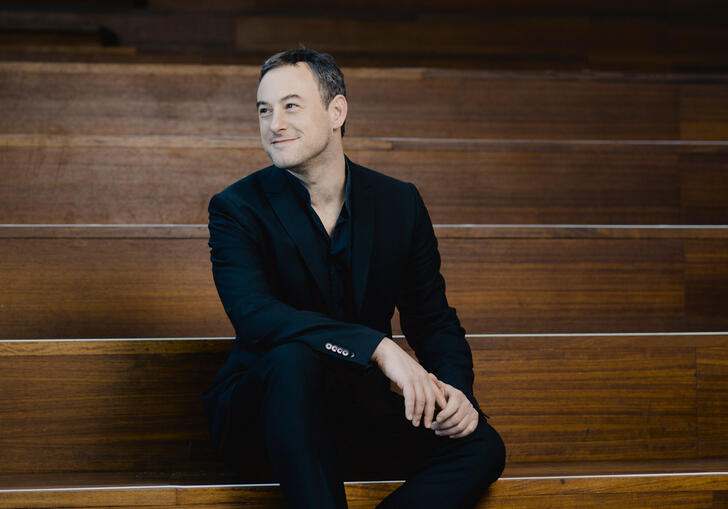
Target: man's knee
487 452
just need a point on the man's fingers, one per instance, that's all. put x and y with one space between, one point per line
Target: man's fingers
468 430
419 405
409 402
453 421
447 412
429 407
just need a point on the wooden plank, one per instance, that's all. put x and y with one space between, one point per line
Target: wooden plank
118 287
135 405
703 112
187 100
170 180
463 232
612 492
712 401
597 403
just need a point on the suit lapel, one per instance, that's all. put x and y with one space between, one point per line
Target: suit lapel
362 233
297 224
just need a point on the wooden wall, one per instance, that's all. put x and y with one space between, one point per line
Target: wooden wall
643 35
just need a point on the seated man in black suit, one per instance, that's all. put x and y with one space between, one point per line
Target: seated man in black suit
310 258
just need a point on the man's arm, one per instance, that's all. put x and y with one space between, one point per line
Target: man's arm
433 330
260 319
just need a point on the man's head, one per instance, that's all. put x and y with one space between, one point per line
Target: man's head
301 108
327 74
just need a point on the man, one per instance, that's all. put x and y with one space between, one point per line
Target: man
310 257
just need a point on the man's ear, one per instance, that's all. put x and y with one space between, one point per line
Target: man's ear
338 108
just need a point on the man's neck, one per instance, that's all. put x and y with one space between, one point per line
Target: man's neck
326 182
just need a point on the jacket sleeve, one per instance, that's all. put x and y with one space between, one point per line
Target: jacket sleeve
430 325
261 320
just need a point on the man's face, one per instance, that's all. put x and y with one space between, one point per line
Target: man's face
295 127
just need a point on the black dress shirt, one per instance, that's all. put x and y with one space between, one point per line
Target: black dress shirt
335 250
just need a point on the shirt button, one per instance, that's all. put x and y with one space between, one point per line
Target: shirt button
329 346
339 349
345 353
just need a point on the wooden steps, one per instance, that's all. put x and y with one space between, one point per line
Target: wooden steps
138 282
105 99
141 282
135 404
586 255
668 484
169 179
536 34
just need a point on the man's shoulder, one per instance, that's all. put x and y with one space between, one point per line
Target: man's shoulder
379 181
248 187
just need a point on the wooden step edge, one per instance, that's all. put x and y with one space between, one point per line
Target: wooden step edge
443 231
153 141
153 346
374 73
358 493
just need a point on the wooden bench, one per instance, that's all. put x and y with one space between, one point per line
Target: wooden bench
104 99
578 486
131 281
135 404
534 34
594 419
169 179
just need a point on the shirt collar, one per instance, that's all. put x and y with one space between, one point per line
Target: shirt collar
305 196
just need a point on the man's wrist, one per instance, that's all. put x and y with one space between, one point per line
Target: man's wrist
383 345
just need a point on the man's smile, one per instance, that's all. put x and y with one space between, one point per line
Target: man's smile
279 141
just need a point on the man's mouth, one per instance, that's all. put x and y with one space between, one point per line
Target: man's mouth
278 141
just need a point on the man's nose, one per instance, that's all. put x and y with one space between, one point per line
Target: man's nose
278 121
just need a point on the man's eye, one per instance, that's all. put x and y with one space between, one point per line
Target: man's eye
291 106
263 111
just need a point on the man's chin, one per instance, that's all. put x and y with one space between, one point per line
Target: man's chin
282 162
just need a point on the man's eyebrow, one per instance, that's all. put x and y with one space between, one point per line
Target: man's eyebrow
289 96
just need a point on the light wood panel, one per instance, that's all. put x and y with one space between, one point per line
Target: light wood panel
135 405
141 287
169 180
209 100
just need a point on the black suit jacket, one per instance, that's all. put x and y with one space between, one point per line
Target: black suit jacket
272 285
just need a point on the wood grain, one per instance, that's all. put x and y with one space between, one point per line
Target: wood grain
166 180
186 100
162 287
691 491
712 400
135 405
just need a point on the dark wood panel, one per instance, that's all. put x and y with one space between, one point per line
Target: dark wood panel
566 286
712 401
139 99
704 111
647 36
117 287
135 405
153 180
699 172
102 288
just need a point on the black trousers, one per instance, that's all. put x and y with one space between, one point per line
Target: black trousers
311 422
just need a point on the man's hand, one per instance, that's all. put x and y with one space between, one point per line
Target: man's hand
459 418
420 388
